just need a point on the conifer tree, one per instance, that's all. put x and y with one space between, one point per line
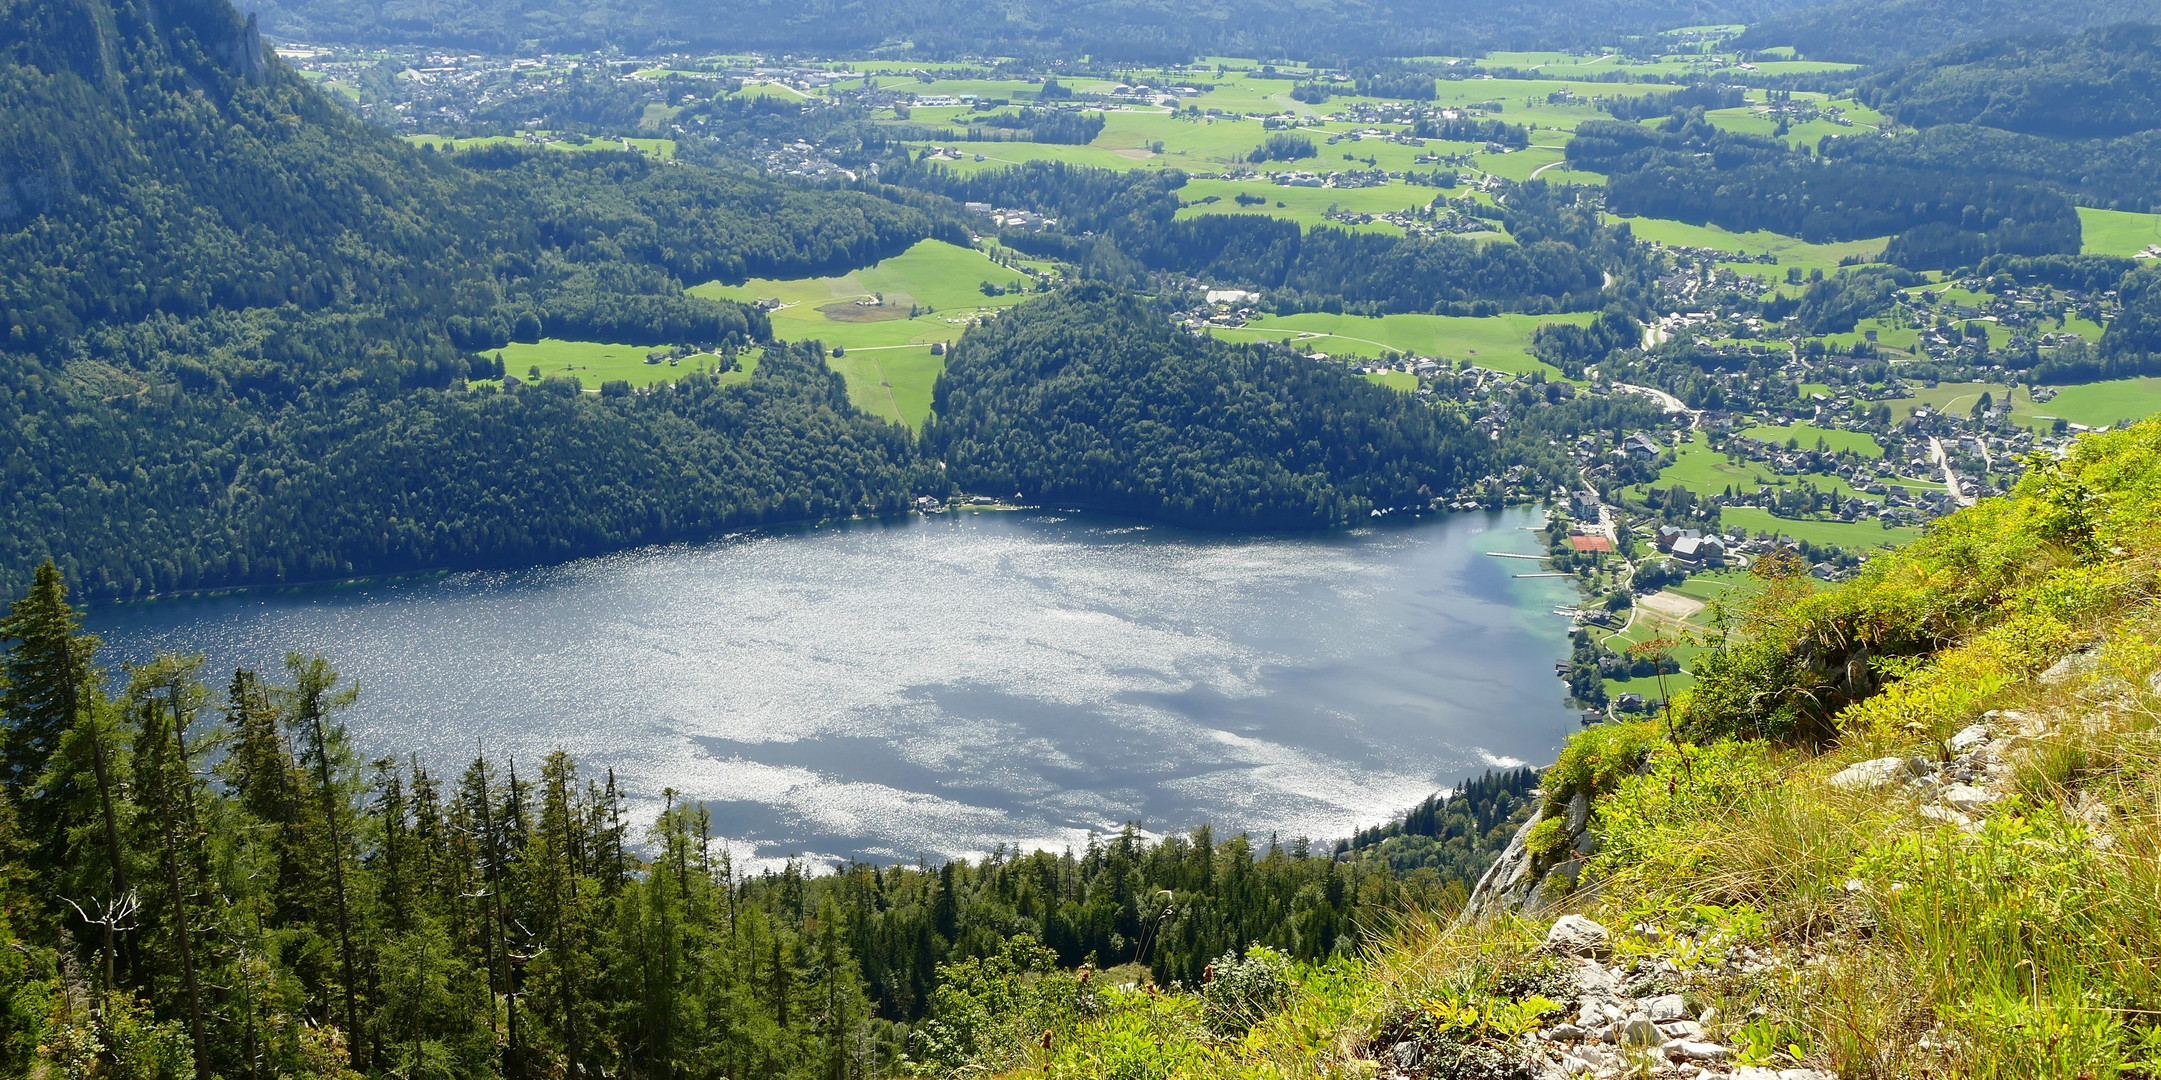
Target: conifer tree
311 708
165 696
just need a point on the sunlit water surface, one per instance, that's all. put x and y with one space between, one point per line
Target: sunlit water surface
939 686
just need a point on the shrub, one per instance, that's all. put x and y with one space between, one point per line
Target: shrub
1547 840
1594 760
1241 993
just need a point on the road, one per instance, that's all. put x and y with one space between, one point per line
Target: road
1950 479
1667 401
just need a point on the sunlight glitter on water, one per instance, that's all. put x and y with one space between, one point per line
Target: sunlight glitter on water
937 687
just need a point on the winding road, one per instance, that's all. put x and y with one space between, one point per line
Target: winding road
1950 479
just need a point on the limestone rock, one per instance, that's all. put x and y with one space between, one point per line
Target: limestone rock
1574 935
2071 667
1966 799
1971 737
1699 1052
1508 882
1878 773
1407 1055
1666 1007
1592 978
1638 1030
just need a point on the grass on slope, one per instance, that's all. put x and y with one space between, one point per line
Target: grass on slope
593 363
886 352
1791 250
2117 232
1501 342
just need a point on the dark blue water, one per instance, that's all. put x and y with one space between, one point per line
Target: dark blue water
938 686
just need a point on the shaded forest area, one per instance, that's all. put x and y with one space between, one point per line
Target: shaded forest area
1090 397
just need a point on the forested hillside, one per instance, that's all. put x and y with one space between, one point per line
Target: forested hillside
1689 169
2097 85
1121 30
236 328
1881 31
1089 397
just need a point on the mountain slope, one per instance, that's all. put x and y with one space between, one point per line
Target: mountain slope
1905 826
2102 84
1113 29
1887 31
236 326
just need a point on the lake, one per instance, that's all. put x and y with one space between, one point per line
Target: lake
937 686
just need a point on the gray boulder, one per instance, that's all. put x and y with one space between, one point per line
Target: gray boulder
1574 935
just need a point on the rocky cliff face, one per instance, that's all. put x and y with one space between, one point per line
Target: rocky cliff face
1520 881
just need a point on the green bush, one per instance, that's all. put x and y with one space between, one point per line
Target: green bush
1594 760
1548 840
1241 993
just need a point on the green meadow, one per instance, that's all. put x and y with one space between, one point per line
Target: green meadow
594 362
1705 471
884 318
1853 535
1756 119
2097 404
1791 250
1808 435
1500 342
1306 205
2117 232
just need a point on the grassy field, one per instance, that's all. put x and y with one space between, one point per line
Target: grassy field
594 362
1958 397
1755 119
1132 134
2098 404
1860 442
2117 232
887 360
1501 342
1705 471
1791 250
1849 535
1304 205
